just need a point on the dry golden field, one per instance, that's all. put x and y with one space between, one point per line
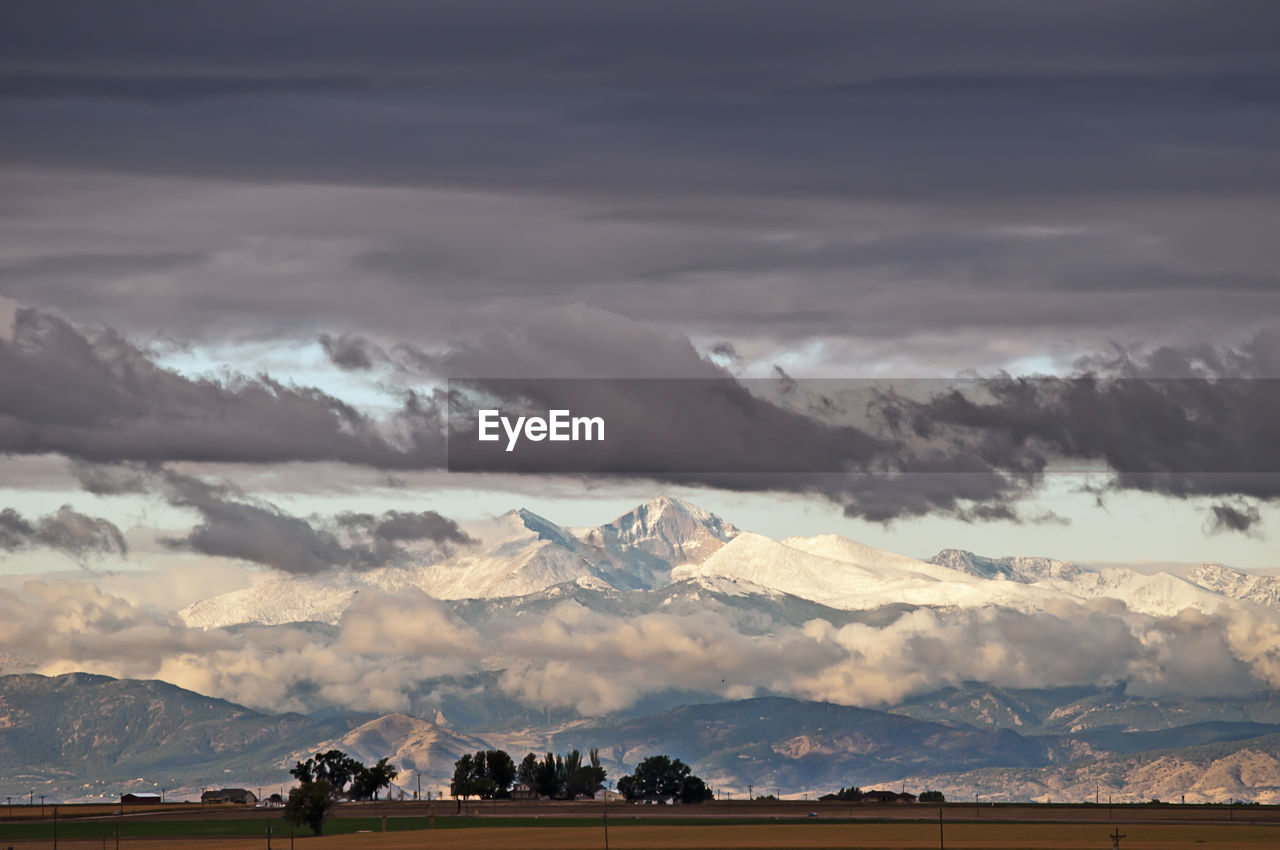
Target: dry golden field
784 835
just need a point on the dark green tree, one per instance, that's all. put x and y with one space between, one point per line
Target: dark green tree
367 781
932 797
662 776
335 767
462 784
501 771
527 773
486 773
309 804
547 778
693 790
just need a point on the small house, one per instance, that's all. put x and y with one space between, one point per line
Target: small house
523 792
887 797
238 796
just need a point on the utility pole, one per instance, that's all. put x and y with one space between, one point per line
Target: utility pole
750 792
1097 792
419 797
55 828
941 846
606 817
42 807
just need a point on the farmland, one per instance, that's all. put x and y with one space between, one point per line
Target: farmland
532 826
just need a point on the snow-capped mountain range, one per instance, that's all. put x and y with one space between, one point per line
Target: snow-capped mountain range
668 542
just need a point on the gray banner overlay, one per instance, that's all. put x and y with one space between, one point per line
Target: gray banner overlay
1137 427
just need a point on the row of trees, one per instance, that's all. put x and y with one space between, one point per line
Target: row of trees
490 773
855 795
324 778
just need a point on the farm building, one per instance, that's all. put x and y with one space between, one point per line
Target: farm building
127 799
240 796
523 792
887 797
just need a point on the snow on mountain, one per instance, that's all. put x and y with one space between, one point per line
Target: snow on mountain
1158 594
664 541
292 599
1260 589
1016 568
517 554
525 553
855 577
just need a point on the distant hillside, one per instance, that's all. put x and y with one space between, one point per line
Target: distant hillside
1246 770
80 735
1078 711
793 744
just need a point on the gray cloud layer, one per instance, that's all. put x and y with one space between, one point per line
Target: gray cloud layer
756 171
98 397
972 452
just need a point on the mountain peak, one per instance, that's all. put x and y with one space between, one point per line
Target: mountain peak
672 530
523 519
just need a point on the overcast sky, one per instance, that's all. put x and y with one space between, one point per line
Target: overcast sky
244 242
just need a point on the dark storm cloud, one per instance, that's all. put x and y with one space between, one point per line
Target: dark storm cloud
351 353
259 533
579 96
702 427
625 44
96 265
1240 516
761 172
67 531
98 397
233 524
1209 431
398 526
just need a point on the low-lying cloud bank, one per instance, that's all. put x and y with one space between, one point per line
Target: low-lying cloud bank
597 664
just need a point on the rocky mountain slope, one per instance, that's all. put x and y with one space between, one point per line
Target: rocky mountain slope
1247 770
84 736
